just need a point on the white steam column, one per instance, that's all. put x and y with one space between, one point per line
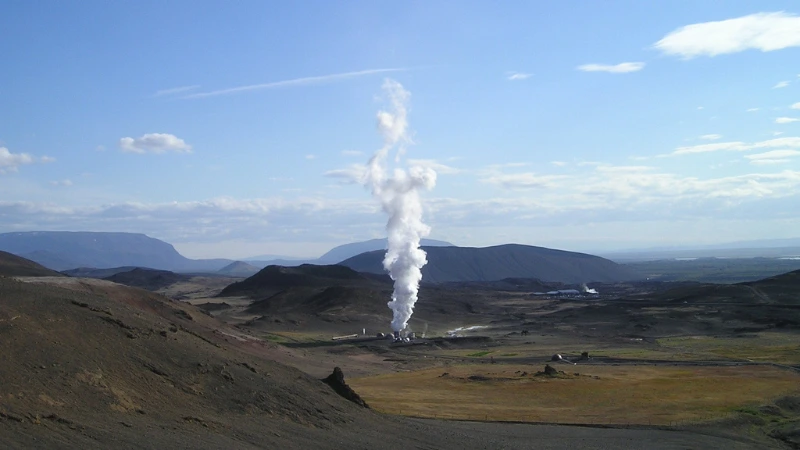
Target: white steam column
399 197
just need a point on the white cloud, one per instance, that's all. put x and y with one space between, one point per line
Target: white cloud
711 137
737 146
523 180
773 157
351 174
774 154
438 167
352 153
753 109
10 162
176 90
781 84
100 148
63 183
760 31
617 196
700 107
516 76
154 143
305 81
558 163
310 157
795 106
786 120
618 68
777 133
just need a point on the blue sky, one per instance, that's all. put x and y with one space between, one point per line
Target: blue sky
231 131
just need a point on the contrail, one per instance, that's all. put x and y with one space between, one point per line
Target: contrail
305 81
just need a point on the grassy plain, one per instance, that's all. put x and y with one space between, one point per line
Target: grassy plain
779 348
646 395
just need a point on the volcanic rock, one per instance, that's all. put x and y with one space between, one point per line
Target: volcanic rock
336 381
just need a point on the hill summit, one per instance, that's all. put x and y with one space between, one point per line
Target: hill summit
447 264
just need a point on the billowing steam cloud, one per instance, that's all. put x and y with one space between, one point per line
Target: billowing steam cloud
399 197
587 290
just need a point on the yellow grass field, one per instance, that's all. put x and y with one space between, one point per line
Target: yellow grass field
780 348
585 394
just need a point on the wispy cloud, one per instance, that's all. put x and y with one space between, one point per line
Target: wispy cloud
352 153
523 180
305 81
711 137
354 173
783 120
761 31
780 85
796 106
310 157
753 109
435 165
737 146
516 76
62 183
175 90
154 143
773 157
616 68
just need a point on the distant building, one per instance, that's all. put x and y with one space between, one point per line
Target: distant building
565 292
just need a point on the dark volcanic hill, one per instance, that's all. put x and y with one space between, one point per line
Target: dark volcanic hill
273 279
694 309
239 269
780 289
91 272
149 279
14 266
62 250
340 253
447 264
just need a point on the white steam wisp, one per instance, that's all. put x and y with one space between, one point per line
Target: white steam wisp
399 197
587 290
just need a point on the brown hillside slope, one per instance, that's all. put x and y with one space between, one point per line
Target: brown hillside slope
91 364
16 266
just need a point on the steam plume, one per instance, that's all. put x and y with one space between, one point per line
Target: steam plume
586 289
399 197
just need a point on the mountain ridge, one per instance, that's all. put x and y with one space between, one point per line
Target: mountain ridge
446 264
64 250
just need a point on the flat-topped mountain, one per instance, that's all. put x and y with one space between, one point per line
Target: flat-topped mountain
447 264
62 250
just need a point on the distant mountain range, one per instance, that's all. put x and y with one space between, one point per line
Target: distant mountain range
446 264
67 250
82 250
62 250
765 248
340 253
